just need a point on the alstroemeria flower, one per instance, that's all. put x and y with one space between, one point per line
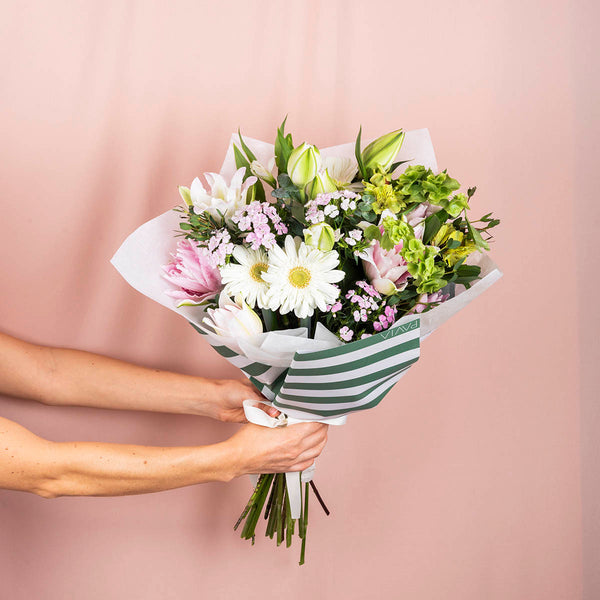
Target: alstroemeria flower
386 269
193 273
222 200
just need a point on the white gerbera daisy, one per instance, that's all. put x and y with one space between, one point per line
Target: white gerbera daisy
301 278
246 278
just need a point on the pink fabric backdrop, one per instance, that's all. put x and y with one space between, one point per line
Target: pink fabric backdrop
456 487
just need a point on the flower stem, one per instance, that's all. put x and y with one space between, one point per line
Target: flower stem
271 494
256 508
305 519
305 322
316 491
279 507
270 502
269 319
289 526
250 502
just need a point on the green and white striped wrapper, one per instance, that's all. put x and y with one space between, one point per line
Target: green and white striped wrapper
259 373
337 381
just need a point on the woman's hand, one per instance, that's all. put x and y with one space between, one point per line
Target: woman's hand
227 397
256 449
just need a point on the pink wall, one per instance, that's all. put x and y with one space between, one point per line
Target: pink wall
459 487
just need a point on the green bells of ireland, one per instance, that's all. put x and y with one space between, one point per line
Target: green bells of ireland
396 231
421 265
303 164
439 187
456 205
382 151
320 236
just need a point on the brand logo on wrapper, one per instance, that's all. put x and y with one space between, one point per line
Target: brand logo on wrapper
400 329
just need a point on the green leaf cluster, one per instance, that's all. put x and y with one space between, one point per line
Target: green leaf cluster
198 227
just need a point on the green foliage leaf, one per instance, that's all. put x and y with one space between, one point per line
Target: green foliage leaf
386 241
283 148
468 271
372 232
256 192
408 294
284 181
432 226
476 236
395 165
241 161
359 157
247 150
466 274
297 210
365 208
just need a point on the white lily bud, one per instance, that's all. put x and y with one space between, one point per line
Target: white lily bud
383 150
303 164
321 184
320 236
263 173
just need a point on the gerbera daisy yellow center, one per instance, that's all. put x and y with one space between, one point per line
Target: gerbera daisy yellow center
299 277
257 270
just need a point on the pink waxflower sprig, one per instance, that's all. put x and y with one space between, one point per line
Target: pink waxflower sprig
359 313
331 208
259 224
339 210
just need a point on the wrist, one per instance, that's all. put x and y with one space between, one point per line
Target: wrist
199 398
232 460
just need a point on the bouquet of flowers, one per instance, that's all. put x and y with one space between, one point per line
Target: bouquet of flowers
317 273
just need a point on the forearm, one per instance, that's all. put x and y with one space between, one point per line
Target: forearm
72 377
98 469
52 469
81 378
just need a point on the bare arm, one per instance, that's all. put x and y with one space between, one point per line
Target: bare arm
60 376
51 469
